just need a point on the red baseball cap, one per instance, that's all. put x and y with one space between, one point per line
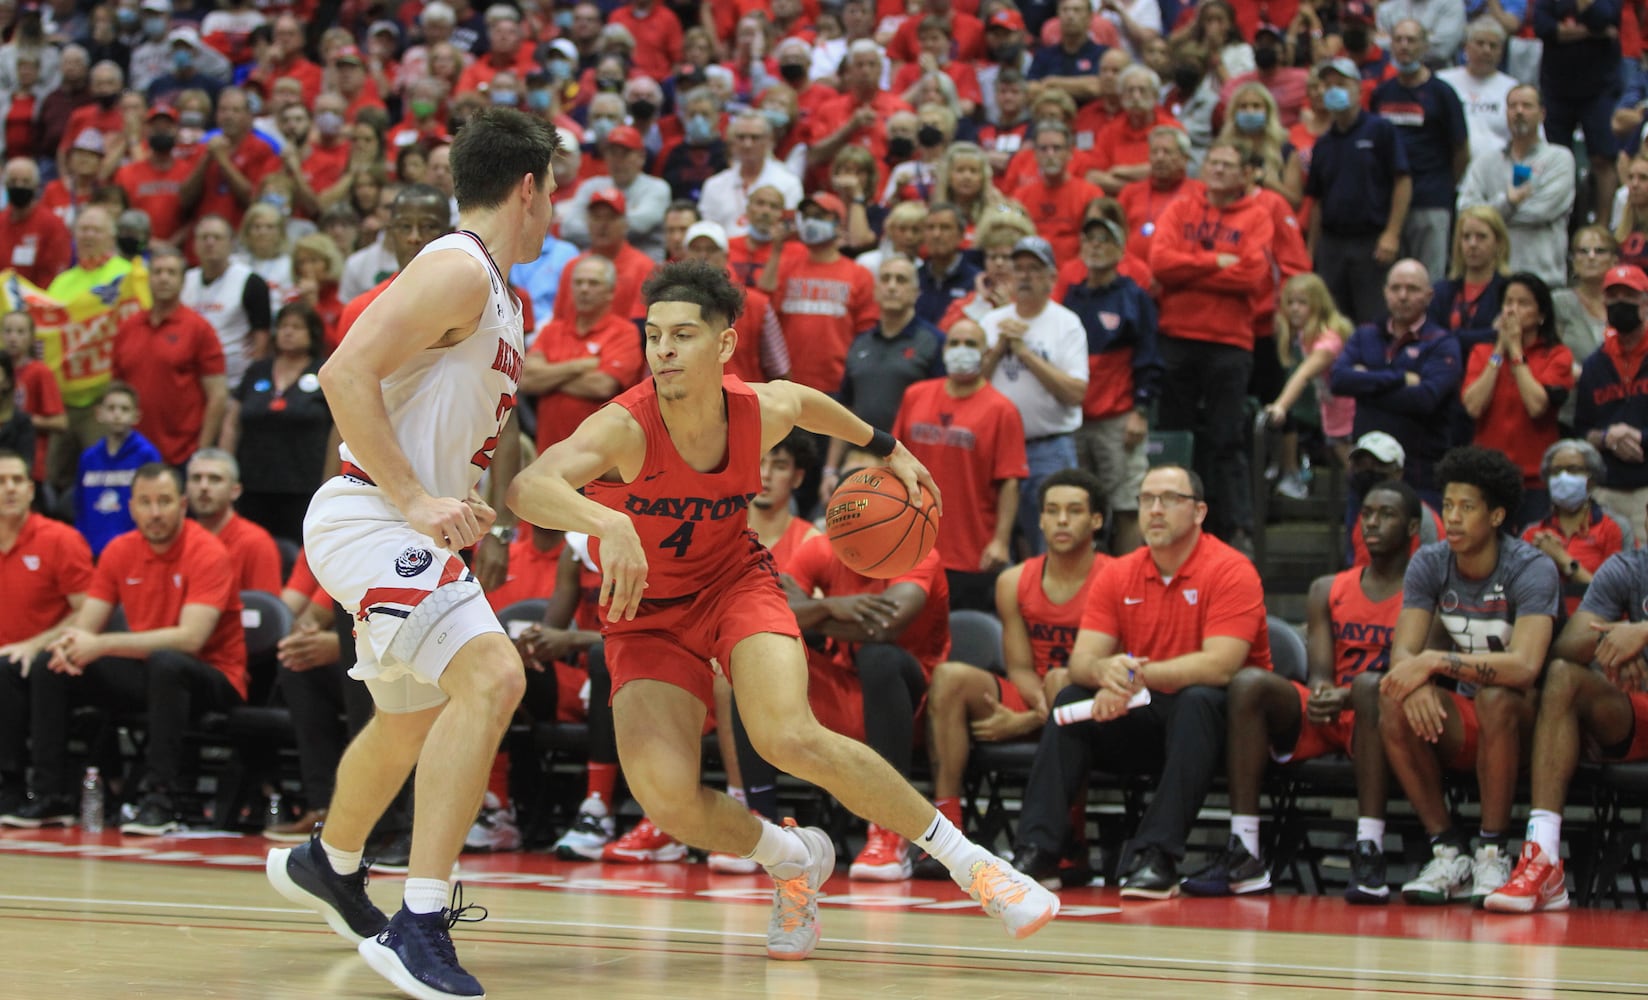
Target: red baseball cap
610 197
625 136
828 202
1010 20
348 53
1628 275
161 111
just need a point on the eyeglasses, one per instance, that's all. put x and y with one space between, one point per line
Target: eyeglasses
1167 501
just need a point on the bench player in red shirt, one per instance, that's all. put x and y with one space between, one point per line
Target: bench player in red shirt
1352 615
667 471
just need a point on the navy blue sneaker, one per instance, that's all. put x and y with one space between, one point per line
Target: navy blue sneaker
304 875
415 953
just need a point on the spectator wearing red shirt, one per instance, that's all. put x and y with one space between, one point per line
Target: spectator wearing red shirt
1578 534
45 568
154 182
22 112
936 47
37 392
286 59
761 354
507 51
1102 110
172 356
971 438
1055 200
657 34
183 653
577 364
1178 617
1514 386
965 28
102 115
824 301
352 84
1209 254
609 238
766 242
213 487
858 117
1121 149
33 241
235 160
892 634
72 190
1040 603
1143 201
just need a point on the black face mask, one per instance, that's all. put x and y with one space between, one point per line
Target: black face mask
900 148
930 136
20 197
1624 317
642 109
130 246
1187 79
1266 58
163 143
1355 37
1361 482
107 101
794 74
1009 54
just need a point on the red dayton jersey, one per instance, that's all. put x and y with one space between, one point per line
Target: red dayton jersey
1052 627
693 525
1361 628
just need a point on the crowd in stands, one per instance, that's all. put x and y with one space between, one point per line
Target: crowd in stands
1024 238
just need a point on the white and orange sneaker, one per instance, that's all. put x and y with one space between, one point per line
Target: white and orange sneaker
644 844
1536 885
792 931
1020 902
885 858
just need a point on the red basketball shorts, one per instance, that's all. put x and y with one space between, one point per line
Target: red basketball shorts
1319 739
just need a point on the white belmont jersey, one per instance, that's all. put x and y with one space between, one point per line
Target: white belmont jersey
448 404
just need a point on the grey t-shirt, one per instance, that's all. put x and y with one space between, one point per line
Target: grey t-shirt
1480 614
1619 590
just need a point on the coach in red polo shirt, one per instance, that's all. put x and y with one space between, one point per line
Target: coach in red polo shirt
45 568
1178 618
577 364
172 356
183 652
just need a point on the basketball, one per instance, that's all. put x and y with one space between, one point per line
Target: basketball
874 528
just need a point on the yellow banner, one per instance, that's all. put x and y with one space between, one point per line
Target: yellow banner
77 336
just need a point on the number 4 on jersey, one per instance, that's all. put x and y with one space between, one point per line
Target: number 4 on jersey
679 539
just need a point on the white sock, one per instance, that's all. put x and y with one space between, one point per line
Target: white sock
949 845
1545 829
343 862
427 895
1246 829
777 848
1370 829
737 795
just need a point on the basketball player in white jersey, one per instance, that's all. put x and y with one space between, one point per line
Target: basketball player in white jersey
419 390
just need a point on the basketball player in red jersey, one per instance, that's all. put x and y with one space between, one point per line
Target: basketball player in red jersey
1351 618
420 392
662 477
1040 604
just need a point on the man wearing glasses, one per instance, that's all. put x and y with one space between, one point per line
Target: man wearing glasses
1177 618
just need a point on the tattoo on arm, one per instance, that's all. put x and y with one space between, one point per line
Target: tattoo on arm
1478 673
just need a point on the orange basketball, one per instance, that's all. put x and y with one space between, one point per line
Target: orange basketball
873 527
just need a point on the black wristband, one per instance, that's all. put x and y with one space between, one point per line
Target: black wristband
881 444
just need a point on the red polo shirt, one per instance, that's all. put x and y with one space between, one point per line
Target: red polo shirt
38 246
634 268
1505 424
48 562
38 396
614 340
1119 144
154 587
1215 592
165 364
253 554
1590 546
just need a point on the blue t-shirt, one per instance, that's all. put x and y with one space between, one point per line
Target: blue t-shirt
103 491
1052 60
1431 121
1619 588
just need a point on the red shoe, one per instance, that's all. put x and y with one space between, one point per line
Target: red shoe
885 858
642 845
1535 885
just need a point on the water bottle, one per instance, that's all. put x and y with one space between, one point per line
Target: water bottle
277 812
91 802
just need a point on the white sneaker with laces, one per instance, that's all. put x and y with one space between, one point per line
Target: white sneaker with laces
494 829
1444 878
589 834
792 932
1019 901
1490 870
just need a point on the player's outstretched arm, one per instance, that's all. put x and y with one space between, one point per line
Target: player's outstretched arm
787 405
437 300
609 443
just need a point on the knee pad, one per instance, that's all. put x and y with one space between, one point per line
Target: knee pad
429 624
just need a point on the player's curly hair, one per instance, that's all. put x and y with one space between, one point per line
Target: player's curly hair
1490 471
709 288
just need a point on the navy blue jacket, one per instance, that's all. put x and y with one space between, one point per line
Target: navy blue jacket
1418 416
1120 320
1605 397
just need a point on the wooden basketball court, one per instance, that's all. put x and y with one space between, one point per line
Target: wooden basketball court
193 916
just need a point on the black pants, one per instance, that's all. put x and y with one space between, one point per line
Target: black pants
972 591
317 702
14 717
1183 733
172 689
1205 391
1355 279
603 739
280 514
893 683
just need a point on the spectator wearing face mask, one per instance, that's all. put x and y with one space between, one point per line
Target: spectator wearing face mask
1578 535
153 182
1613 398
1287 84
